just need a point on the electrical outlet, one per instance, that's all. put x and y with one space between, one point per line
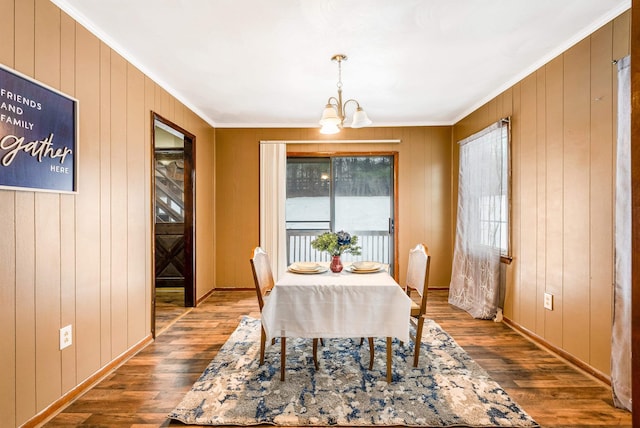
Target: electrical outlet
548 301
66 336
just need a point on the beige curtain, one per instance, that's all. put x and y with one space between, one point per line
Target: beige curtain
273 174
621 332
482 221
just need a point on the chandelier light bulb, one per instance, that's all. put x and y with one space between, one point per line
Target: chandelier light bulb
329 129
330 116
360 119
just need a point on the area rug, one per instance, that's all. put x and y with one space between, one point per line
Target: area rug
447 389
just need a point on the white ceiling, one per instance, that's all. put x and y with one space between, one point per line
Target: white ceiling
259 63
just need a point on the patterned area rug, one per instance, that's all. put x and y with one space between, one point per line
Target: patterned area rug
447 389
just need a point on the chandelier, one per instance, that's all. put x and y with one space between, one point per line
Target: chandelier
334 113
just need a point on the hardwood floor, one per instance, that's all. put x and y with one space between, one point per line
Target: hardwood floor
169 307
145 389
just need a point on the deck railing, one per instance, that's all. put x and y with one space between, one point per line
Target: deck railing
375 246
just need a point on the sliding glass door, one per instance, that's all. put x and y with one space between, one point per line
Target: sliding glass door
350 193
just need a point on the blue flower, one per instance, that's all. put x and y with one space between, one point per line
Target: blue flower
343 238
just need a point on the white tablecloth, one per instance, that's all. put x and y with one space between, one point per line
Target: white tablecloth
337 305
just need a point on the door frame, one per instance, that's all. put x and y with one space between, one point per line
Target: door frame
189 219
394 154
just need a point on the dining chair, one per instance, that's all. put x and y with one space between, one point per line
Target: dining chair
417 281
263 279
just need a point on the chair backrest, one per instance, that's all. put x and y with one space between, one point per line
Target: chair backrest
418 272
262 276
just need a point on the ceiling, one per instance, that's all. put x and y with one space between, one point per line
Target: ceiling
259 63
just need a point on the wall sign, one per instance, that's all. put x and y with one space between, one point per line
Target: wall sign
38 135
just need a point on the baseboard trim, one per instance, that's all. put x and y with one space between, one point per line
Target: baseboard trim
203 298
62 402
560 353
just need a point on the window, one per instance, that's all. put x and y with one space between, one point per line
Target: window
308 203
494 222
351 193
484 185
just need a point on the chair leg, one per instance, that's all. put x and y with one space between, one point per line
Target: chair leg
371 351
263 339
388 360
315 353
417 342
283 356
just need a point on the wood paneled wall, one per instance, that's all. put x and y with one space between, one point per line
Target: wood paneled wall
563 183
424 178
84 259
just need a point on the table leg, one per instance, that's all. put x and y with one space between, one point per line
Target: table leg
283 356
371 353
315 353
388 359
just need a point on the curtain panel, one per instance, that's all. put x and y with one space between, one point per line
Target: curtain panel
482 222
273 186
621 330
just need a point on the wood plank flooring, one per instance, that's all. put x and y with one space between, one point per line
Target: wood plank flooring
145 389
169 307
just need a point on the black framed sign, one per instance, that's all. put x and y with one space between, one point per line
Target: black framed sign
38 135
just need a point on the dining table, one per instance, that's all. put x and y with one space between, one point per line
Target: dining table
349 304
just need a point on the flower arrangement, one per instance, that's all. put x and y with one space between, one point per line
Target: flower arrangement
336 243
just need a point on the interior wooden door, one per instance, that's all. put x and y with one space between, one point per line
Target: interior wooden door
170 258
170 212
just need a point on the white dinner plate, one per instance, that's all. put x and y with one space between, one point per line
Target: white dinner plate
305 265
366 266
352 269
296 268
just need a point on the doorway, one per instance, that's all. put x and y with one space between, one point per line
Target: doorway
354 193
173 208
